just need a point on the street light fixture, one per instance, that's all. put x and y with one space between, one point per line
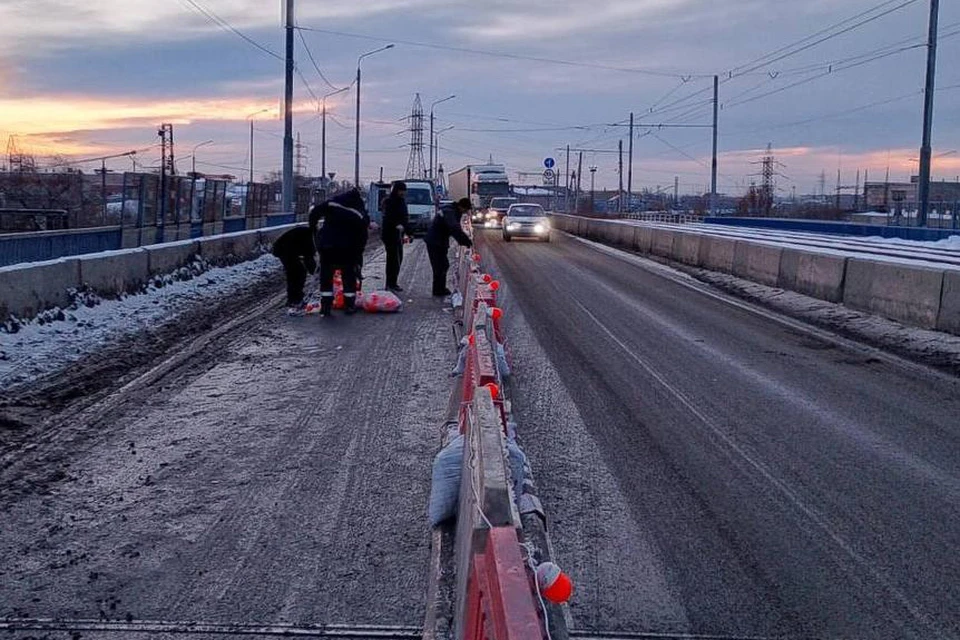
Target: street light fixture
193 154
441 131
323 133
250 118
356 155
432 105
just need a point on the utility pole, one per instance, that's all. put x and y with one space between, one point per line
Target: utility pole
323 144
620 171
676 192
630 167
566 180
713 168
856 194
579 174
323 135
103 192
288 204
251 152
593 191
925 148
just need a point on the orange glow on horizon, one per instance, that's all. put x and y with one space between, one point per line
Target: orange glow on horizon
50 126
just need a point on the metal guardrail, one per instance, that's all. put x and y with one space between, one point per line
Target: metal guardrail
35 246
663 217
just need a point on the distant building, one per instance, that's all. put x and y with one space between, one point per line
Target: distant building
884 196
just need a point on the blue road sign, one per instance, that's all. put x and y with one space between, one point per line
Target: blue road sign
549 163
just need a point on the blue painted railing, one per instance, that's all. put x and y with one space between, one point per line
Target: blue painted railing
277 219
47 245
232 225
837 228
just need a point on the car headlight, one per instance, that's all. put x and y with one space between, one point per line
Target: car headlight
539 228
513 226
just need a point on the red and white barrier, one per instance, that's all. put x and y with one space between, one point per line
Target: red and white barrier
497 594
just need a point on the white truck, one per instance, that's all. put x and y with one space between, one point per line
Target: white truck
480 183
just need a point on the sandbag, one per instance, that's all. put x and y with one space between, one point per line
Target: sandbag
462 353
445 482
380 302
518 463
503 367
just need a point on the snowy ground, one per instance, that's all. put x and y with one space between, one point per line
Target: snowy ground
50 343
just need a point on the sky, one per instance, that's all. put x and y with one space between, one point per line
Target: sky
830 84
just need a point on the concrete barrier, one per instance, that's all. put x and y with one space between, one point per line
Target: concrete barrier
901 292
814 274
687 248
927 297
269 235
757 262
624 235
948 318
607 231
718 253
662 243
643 239
29 288
229 247
115 272
164 258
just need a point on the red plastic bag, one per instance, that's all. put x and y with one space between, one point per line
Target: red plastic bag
381 302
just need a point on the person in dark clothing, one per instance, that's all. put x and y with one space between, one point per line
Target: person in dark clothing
395 222
296 253
341 241
446 224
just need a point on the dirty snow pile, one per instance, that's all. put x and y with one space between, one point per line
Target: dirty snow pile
57 337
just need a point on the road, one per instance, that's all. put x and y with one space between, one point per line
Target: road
710 469
280 475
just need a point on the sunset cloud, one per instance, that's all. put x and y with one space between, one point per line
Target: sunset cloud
51 115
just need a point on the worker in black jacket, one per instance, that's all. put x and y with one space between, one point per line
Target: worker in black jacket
296 253
445 224
341 241
395 222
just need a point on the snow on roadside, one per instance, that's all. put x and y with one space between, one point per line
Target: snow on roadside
51 342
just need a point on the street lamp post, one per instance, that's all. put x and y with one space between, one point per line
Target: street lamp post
356 154
593 193
323 133
194 156
251 118
193 174
439 133
430 174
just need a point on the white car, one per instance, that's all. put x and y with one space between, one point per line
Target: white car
421 205
526 221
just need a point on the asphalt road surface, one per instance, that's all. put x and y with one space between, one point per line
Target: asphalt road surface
708 469
279 476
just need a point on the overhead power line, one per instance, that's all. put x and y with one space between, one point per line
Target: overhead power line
315 65
509 56
226 26
845 26
821 36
